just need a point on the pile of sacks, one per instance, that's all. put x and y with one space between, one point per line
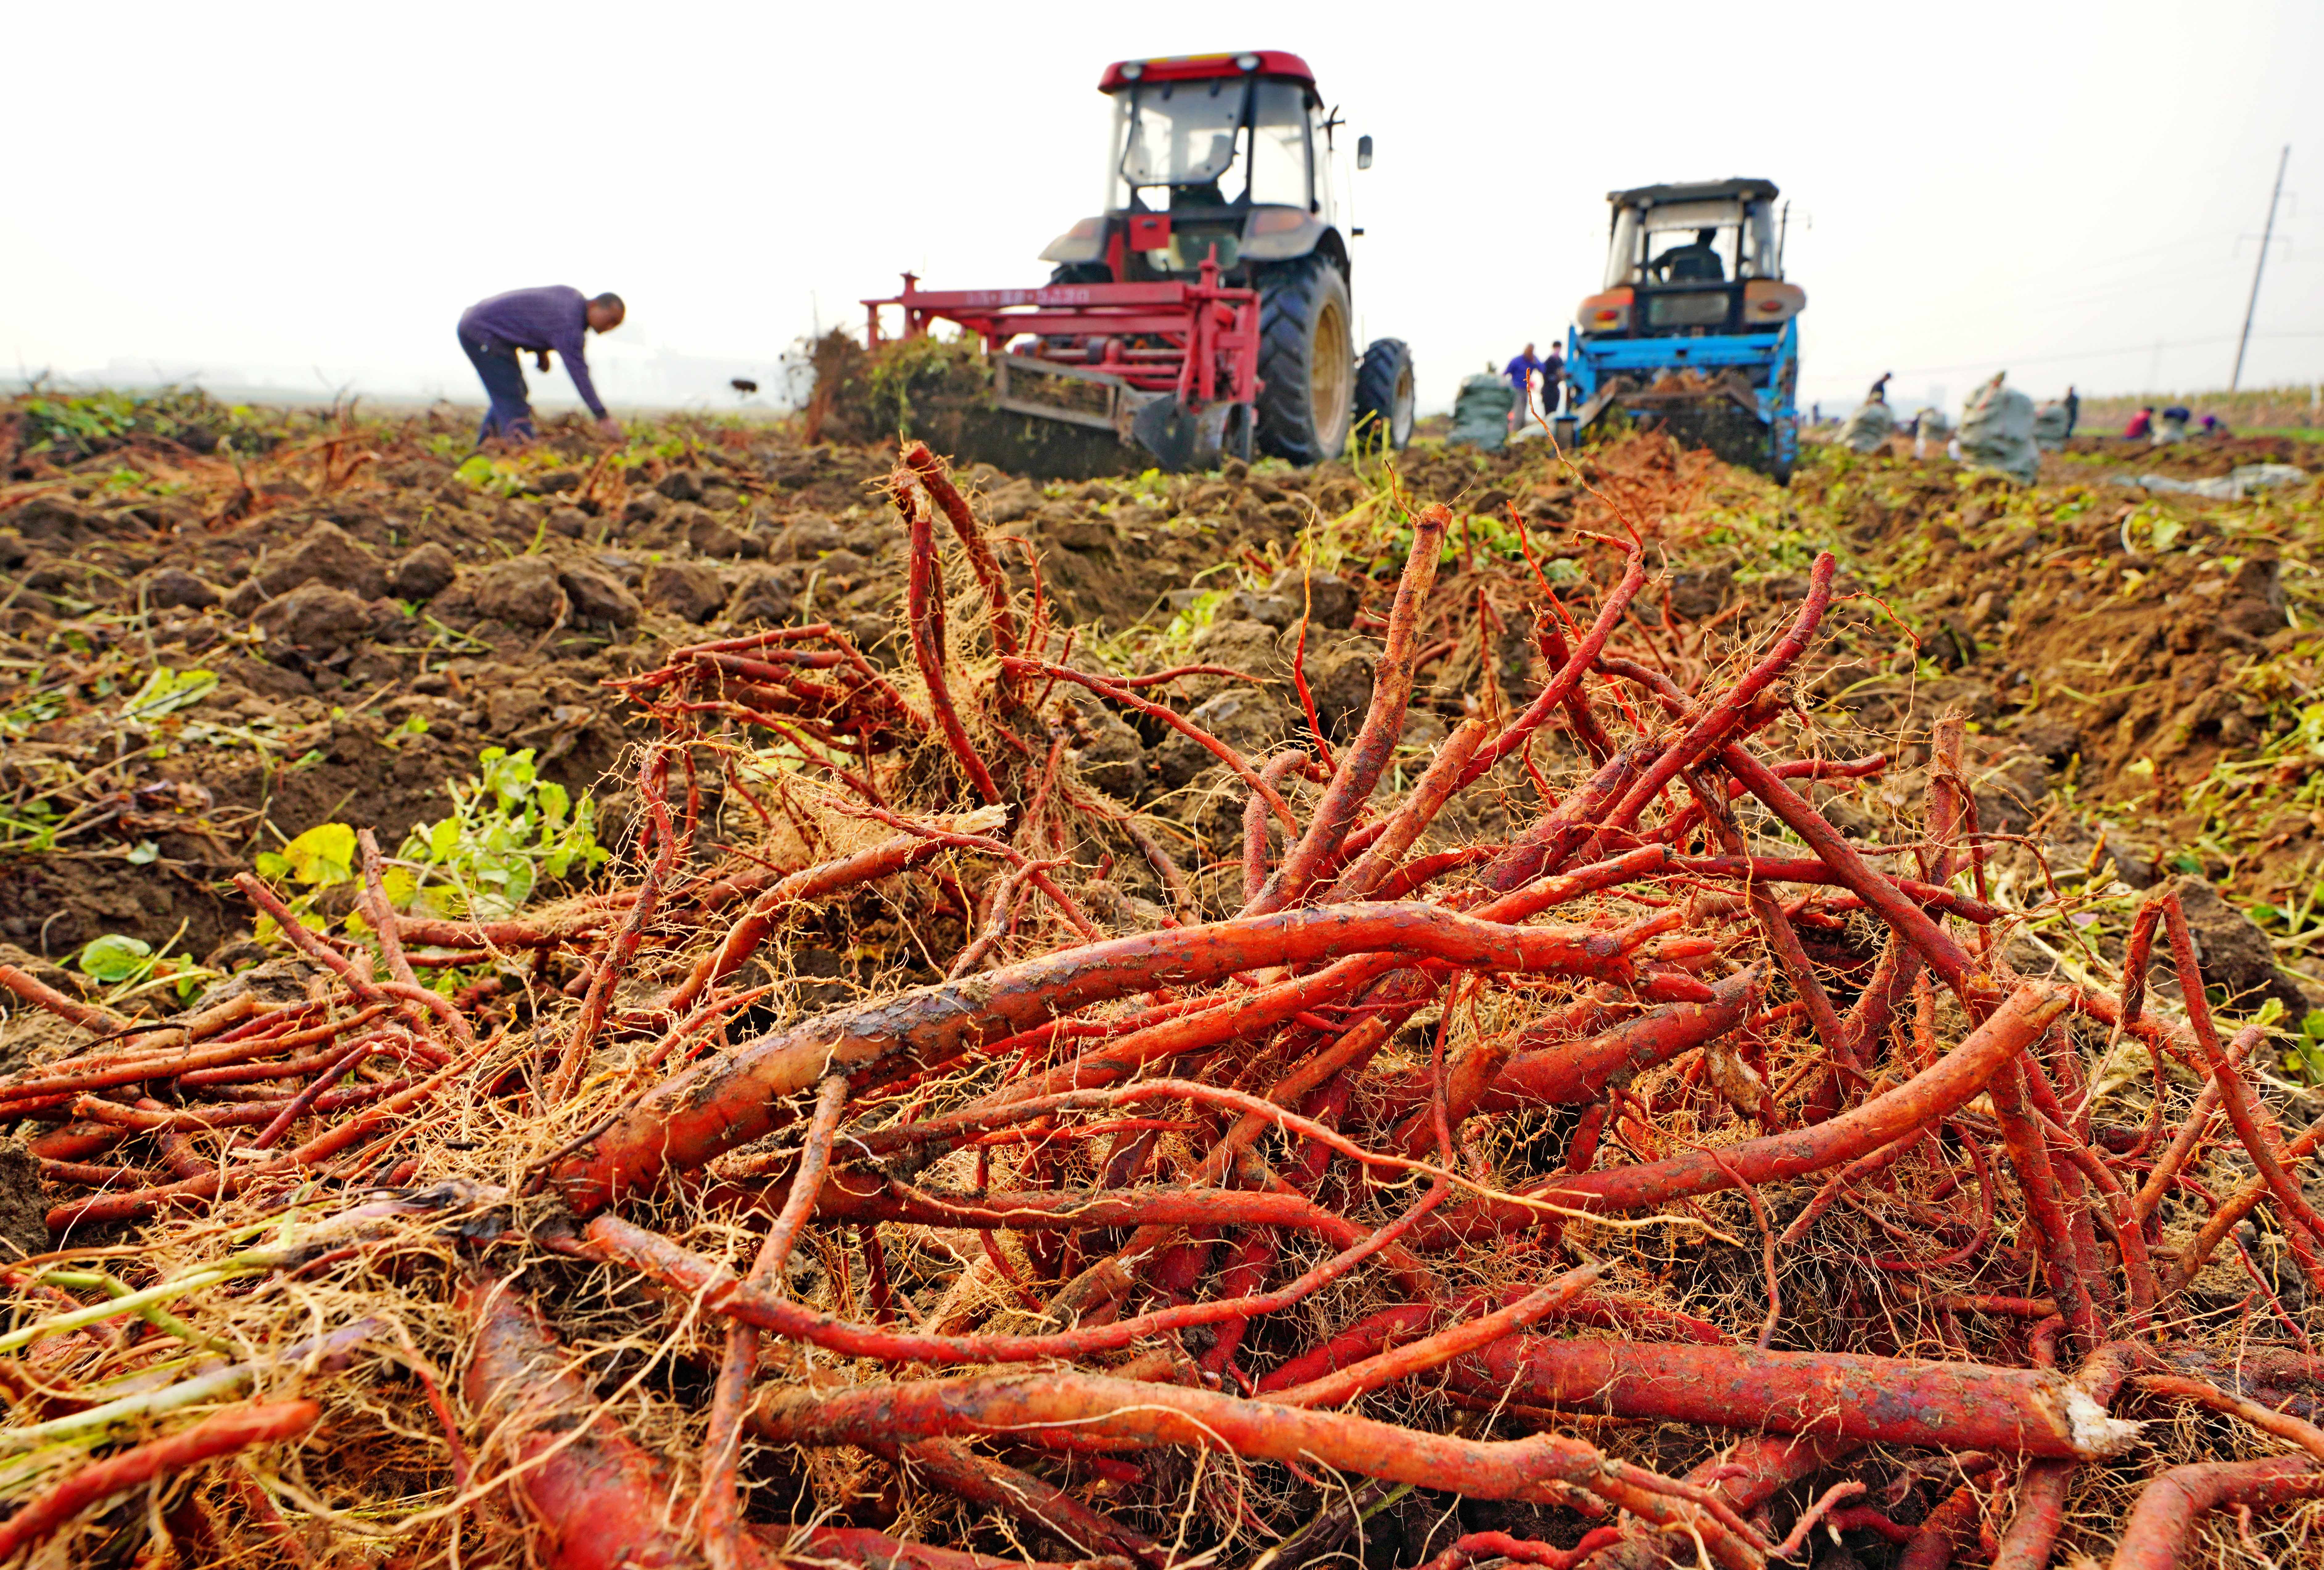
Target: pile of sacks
1996 430
1868 429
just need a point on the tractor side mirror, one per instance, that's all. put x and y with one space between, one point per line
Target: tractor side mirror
1363 152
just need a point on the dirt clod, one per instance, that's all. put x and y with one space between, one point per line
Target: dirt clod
522 592
689 590
23 1207
1327 599
422 573
2234 952
328 556
598 597
173 588
318 619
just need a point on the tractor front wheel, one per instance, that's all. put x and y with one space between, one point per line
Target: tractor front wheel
1307 358
1384 396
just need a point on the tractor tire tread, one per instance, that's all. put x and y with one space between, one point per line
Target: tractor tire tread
1385 364
1286 300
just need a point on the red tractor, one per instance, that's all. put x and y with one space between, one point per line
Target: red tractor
1206 311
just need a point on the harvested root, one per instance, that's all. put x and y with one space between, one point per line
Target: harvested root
1475 1135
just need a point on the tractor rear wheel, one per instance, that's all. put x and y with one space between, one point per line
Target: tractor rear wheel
1307 358
1384 394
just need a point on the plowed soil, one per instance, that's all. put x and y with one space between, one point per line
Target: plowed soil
378 608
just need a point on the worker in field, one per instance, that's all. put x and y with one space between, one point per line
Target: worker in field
1879 394
551 319
2141 426
1552 383
2073 403
1521 372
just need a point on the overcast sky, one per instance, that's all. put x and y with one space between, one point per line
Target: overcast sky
312 194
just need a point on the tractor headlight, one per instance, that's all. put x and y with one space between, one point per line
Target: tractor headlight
1084 242
1280 234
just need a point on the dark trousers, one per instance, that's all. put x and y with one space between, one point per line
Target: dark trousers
511 411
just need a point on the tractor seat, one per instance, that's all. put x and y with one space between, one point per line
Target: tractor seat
1691 265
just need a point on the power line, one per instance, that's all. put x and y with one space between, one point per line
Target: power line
2267 237
2094 354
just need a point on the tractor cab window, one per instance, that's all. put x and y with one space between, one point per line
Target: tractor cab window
1693 243
1219 142
1278 144
1622 250
1686 257
1761 258
1181 133
1321 153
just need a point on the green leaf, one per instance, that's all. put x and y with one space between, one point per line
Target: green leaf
144 854
165 690
508 775
272 865
324 854
509 829
114 957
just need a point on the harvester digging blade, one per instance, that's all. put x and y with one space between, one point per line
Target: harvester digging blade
1180 439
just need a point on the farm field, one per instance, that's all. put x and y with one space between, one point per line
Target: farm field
728 1000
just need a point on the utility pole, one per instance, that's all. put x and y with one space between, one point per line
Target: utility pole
2266 238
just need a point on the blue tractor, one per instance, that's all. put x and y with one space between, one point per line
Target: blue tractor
1695 331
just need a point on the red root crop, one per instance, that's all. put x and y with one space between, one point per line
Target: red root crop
909 1152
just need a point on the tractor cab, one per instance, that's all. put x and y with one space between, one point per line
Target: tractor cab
1206 311
1222 154
1693 260
1693 330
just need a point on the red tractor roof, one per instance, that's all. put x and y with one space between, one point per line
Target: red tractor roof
1197 68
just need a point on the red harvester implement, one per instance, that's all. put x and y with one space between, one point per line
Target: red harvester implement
1172 365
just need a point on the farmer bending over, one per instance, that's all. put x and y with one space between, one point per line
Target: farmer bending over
555 317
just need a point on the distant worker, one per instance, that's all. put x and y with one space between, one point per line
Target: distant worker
2073 403
1520 372
2171 423
2141 426
1552 382
1692 263
2214 426
542 320
1934 431
1879 394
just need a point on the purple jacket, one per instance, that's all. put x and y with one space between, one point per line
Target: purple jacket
552 318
